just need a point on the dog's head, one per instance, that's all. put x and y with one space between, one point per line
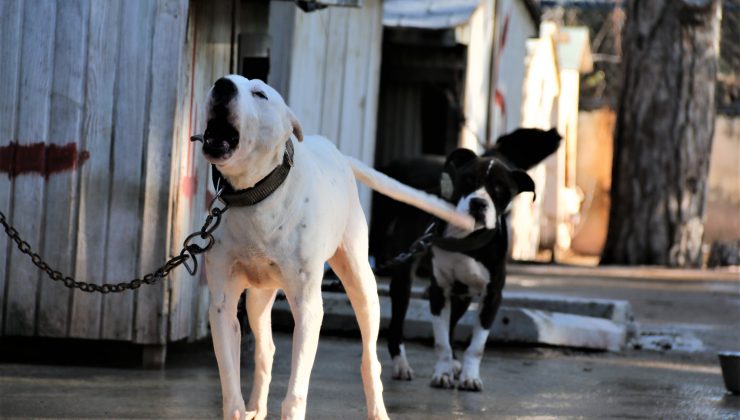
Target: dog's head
482 187
247 121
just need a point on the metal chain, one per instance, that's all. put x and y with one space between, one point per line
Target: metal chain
189 252
419 246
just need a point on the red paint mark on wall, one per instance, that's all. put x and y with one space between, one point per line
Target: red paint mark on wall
501 102
504 32
39 158
188 185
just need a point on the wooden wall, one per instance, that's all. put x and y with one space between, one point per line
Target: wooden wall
120 85
86 110
208 56
332 78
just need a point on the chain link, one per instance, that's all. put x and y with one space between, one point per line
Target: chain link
419 246
190 250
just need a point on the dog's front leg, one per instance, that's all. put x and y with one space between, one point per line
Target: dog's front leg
444 370
226 334
259 305
304 298
470 376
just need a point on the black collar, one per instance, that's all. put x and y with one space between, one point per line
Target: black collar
476 240
261 190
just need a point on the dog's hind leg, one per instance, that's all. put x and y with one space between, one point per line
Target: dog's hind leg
400 292
351 264
226 333
259 306
304 297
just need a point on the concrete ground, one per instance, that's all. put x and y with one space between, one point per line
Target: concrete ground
678 381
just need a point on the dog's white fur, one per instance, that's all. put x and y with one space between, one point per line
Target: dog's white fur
283 242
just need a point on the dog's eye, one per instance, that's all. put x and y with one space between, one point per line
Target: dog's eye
259 94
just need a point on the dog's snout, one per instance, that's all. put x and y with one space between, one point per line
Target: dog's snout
224 90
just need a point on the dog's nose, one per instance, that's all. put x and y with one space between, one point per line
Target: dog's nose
478 205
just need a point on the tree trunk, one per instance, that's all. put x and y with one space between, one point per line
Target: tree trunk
664 132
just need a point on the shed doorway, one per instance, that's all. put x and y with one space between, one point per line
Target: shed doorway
421 93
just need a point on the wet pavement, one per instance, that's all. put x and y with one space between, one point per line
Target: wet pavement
519 382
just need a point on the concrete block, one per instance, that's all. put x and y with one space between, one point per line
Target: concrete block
513 324
618 311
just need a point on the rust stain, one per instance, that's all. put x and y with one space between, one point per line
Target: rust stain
39 158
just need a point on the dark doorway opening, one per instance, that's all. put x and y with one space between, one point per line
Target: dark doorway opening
421 93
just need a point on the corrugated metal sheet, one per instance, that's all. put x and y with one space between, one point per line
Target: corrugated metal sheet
427 14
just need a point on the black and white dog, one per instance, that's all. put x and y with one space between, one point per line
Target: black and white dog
466 265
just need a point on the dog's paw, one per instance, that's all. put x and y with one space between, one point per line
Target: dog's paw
445 380
469 379
444 374
470 384
242 415
255 414
401 368
456 368
378 415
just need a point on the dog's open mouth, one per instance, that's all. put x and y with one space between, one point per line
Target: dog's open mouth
220 140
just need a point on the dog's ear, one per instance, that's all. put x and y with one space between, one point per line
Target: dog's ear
297 130
460 157
455 160
523 182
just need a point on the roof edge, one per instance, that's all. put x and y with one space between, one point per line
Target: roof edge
535 12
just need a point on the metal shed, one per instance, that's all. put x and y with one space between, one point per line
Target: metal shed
96 171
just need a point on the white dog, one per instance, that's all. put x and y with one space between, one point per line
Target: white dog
293 206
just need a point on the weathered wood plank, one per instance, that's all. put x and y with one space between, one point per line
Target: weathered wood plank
130 103
280 26
102 54
210 44
182 131
354 80
10 36
169 34
36 70
367 153
337 23
355 92
60 213
307 71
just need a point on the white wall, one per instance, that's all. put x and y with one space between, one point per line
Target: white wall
477 76
514 26
540 90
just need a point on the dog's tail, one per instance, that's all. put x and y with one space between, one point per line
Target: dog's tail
411 196
526 147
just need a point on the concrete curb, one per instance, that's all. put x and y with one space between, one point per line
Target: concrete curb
637 273
591 324
619 311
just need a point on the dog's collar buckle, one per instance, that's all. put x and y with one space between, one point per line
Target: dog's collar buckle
263 189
